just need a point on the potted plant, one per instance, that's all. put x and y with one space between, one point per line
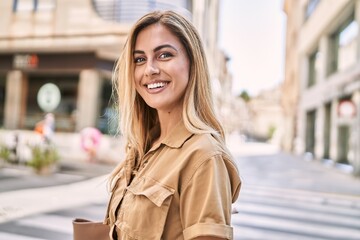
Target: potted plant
5 154
44 159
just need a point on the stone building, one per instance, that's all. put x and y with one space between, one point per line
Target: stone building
266 116
322 80
64 43
58 55
73 45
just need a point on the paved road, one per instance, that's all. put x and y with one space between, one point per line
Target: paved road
19 177
50 226
283 197
264 213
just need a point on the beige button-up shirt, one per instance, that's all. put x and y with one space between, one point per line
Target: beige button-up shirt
183 189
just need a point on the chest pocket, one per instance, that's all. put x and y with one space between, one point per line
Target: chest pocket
144 210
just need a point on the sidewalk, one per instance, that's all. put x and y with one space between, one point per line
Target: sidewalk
21 203
21 177
238 147
23 193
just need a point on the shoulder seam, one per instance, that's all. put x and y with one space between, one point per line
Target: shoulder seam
204 159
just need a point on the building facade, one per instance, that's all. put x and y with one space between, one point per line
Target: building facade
266 116
290 87
62 43
322 85
58 56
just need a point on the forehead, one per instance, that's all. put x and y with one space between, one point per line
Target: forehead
155 35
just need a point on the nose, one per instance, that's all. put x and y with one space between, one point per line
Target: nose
151 68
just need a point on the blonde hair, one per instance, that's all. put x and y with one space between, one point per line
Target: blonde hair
136 117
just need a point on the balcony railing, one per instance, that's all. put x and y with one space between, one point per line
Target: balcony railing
128 11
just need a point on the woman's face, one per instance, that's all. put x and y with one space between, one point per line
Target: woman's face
161 68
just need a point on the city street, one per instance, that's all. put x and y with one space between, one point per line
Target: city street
282 197
281 77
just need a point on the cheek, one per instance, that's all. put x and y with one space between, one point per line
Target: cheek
137 76
184 73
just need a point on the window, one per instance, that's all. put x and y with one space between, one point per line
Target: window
130 10
314 65
310 131
347 45
108 120
310 7
343 139
2 98
343 144
33 5
343 46
24 5
64 112
327 131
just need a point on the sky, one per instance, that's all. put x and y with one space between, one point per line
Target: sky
252 34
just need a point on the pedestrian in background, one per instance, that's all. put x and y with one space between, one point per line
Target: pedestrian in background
46 128
178 180
90 142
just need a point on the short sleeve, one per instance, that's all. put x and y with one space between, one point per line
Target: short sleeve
205 202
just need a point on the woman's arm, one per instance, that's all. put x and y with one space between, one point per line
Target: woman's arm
205 202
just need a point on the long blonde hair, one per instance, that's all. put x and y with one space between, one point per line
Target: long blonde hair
136 117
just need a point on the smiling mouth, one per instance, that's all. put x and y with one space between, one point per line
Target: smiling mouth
156 85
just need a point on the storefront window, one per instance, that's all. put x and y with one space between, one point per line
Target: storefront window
310 131
344 130
108 120
23 5
327 131
33 5
343 46
2 99
314 65
64 110
348 45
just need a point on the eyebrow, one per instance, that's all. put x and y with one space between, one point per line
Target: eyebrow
156 49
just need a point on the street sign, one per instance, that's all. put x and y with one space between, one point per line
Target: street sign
25 61
346 109
49 97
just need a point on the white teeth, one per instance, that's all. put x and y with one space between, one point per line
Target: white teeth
156 85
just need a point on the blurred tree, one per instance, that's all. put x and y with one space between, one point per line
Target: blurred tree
245 96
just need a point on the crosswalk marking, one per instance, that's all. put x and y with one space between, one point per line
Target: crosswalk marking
304 200
264 213
98 211
50 226
251 233
50 222
304 196
274 213
10 236
315 208
300 215
301 228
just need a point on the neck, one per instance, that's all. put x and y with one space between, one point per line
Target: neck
167 122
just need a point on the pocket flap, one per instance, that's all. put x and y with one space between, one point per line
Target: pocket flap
151 189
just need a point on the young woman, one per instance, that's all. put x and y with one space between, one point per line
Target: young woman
178 180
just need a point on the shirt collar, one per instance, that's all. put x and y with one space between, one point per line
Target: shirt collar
178 136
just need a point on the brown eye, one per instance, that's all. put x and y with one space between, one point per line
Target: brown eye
165 55
139 60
